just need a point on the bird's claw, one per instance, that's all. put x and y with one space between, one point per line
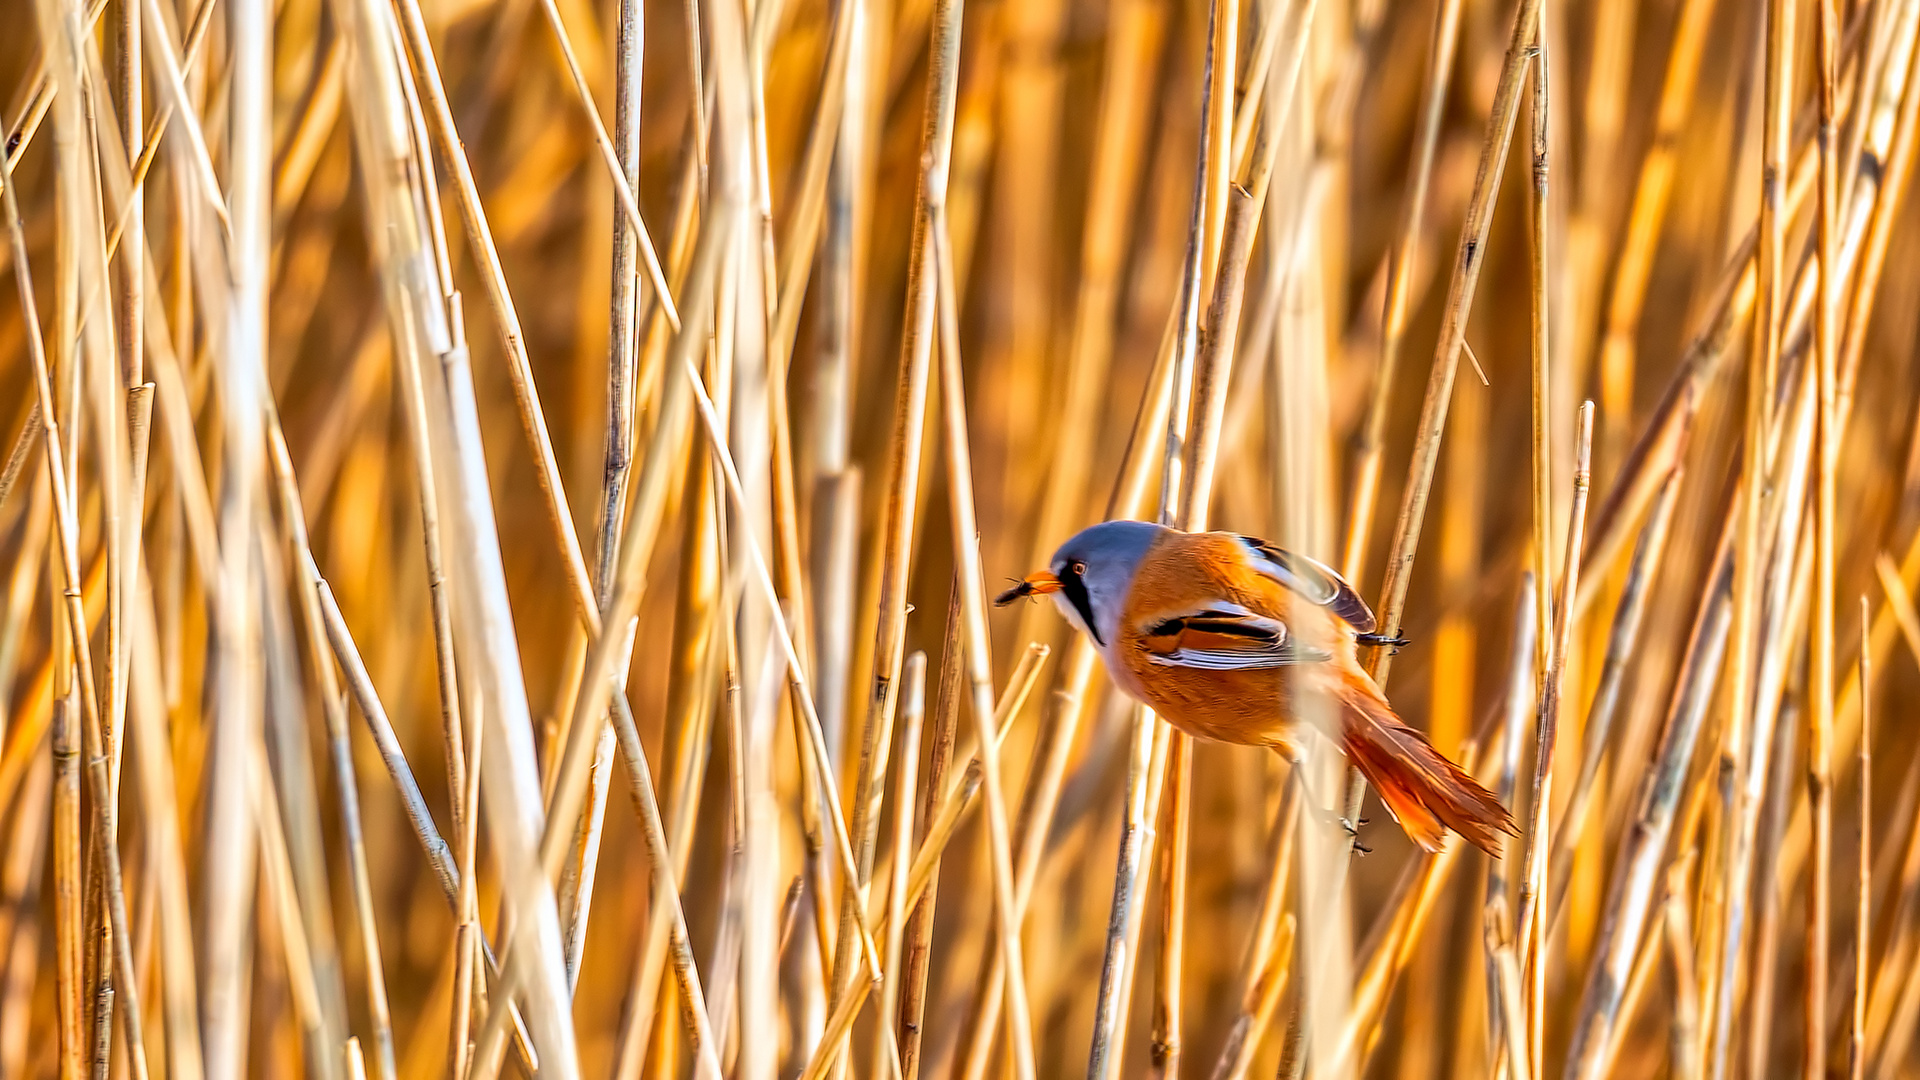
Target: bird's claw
1382 641
1353 836
1350 826
1327 817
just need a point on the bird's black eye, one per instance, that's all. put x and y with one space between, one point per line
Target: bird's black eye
1073 583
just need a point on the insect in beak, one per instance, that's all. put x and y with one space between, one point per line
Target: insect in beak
1036 584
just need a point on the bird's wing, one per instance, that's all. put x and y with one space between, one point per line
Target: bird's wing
1311 580
1223 636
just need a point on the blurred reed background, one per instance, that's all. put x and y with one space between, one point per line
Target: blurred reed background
500 499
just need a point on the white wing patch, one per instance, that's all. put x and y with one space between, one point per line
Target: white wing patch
1267 642
1239 659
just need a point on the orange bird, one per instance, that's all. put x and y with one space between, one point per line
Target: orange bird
1216 632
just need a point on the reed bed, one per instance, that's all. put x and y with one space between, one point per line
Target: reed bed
500 499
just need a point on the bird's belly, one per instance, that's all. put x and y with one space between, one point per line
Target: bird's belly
1247 707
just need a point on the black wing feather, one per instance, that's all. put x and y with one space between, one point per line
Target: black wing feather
1318 582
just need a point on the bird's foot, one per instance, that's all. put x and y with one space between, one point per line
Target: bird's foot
1380 641
1353 836
1328 818
1347 825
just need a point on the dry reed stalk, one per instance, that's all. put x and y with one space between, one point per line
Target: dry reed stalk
1538 213
166 865
139 415
1222 72
1520 702
1863 882
1763 362
468 993
919 930
359 685
1510 1008
1146 763
68 961
833 481
1821 690
334 705
1539 842
785 512
697 663
886 1044
23 445
1677 927
414 396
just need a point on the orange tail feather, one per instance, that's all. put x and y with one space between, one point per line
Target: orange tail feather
1426 793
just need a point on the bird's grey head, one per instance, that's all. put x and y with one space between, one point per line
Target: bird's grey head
1095 569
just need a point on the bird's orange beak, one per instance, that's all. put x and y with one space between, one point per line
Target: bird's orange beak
1035 584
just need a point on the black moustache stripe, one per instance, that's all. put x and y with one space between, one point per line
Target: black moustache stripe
1076 590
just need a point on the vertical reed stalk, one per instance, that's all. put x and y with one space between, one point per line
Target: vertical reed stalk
1821 688
1863 883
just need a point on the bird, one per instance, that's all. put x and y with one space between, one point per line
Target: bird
1216 632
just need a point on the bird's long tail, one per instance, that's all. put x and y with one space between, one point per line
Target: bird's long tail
1426 793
